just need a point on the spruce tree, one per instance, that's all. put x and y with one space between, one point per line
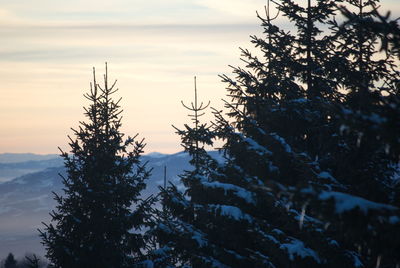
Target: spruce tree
291 191
365 161
387 33
97 219
32 261
10 261
178 227
341 137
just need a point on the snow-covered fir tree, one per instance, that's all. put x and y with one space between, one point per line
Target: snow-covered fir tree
177 227
98 217
307 176
365 161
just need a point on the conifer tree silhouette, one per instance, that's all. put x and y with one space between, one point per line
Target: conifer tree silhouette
94 224
10 261
197 110
32 261
177 228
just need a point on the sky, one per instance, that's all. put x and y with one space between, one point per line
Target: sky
154 48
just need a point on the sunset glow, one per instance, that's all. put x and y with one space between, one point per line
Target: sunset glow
154 48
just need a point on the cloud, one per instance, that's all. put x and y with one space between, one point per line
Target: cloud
239 8
153 47
46 68
42 12
78 12
7 17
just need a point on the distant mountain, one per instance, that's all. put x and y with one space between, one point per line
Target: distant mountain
10 170
26 200
24 203
15 165
17 158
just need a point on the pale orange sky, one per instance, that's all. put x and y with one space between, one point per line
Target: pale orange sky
153 47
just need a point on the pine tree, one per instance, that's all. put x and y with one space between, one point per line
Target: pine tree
365 160
352 170
32 261
228 219
10 261
387 32
291 191
279 115
98 217
178 226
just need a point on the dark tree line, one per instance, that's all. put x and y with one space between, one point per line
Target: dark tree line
310 157
29 261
